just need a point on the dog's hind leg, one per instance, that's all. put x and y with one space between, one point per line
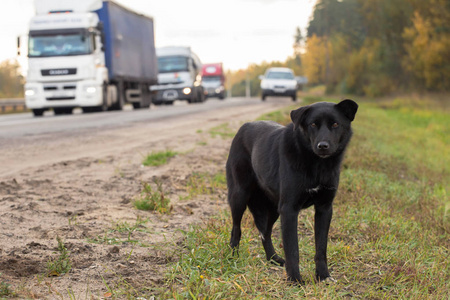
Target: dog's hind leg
265 215
238 204
241 183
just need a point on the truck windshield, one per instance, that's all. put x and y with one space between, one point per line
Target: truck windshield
44 45
211 78
279 75
169 64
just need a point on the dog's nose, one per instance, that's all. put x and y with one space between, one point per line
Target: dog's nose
323 145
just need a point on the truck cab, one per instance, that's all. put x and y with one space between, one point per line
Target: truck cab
213 80
179 76
66 64
89 54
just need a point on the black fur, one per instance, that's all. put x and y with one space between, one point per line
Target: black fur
279 170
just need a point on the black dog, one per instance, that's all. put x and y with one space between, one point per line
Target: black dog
279 170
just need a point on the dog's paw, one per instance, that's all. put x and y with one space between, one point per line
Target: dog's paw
329 280
276 260
296 281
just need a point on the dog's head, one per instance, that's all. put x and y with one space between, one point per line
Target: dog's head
325 127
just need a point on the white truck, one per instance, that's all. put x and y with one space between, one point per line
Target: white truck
92 54
179 76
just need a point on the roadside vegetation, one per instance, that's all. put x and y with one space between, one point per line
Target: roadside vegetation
151 199
390 232
61 264
205 184
158 158
122 233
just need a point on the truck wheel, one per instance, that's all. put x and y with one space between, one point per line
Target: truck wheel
136 105
38 112
87 109
202 96
263 98
119 101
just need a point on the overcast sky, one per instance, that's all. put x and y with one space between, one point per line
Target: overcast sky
235 32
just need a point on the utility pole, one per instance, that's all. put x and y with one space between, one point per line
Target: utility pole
247 87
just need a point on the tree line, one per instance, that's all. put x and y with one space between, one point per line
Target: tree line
369 47
363 47
11 81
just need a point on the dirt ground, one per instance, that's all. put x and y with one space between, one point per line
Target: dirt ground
81 188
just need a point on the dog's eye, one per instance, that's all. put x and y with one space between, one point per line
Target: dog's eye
313 125
335 125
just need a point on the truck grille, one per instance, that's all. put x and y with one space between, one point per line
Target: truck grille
60 98
59 72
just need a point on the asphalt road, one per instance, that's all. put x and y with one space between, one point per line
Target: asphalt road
25 125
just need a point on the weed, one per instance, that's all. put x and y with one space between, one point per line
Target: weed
5 290
158 158
61 264
121 233
153 200
73 220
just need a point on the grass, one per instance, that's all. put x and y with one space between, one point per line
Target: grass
5 290
62 263
122 233
389 238
158 158
153 200
204 183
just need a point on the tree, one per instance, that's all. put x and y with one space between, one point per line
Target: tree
11 81
427 44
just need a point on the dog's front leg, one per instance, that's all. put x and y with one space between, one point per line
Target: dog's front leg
322 220
289 221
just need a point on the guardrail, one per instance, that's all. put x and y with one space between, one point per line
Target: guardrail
11 105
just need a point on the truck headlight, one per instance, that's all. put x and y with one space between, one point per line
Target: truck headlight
30 92
91 89
187 91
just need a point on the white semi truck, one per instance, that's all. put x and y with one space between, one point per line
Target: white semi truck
179 76
93 54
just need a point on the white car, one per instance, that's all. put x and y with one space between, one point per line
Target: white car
279 82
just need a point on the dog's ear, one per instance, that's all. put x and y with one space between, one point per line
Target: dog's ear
298 116
348 108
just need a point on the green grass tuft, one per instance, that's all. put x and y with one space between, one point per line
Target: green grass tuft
158 158
153 200
62 263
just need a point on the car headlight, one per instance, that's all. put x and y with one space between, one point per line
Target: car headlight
186 91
